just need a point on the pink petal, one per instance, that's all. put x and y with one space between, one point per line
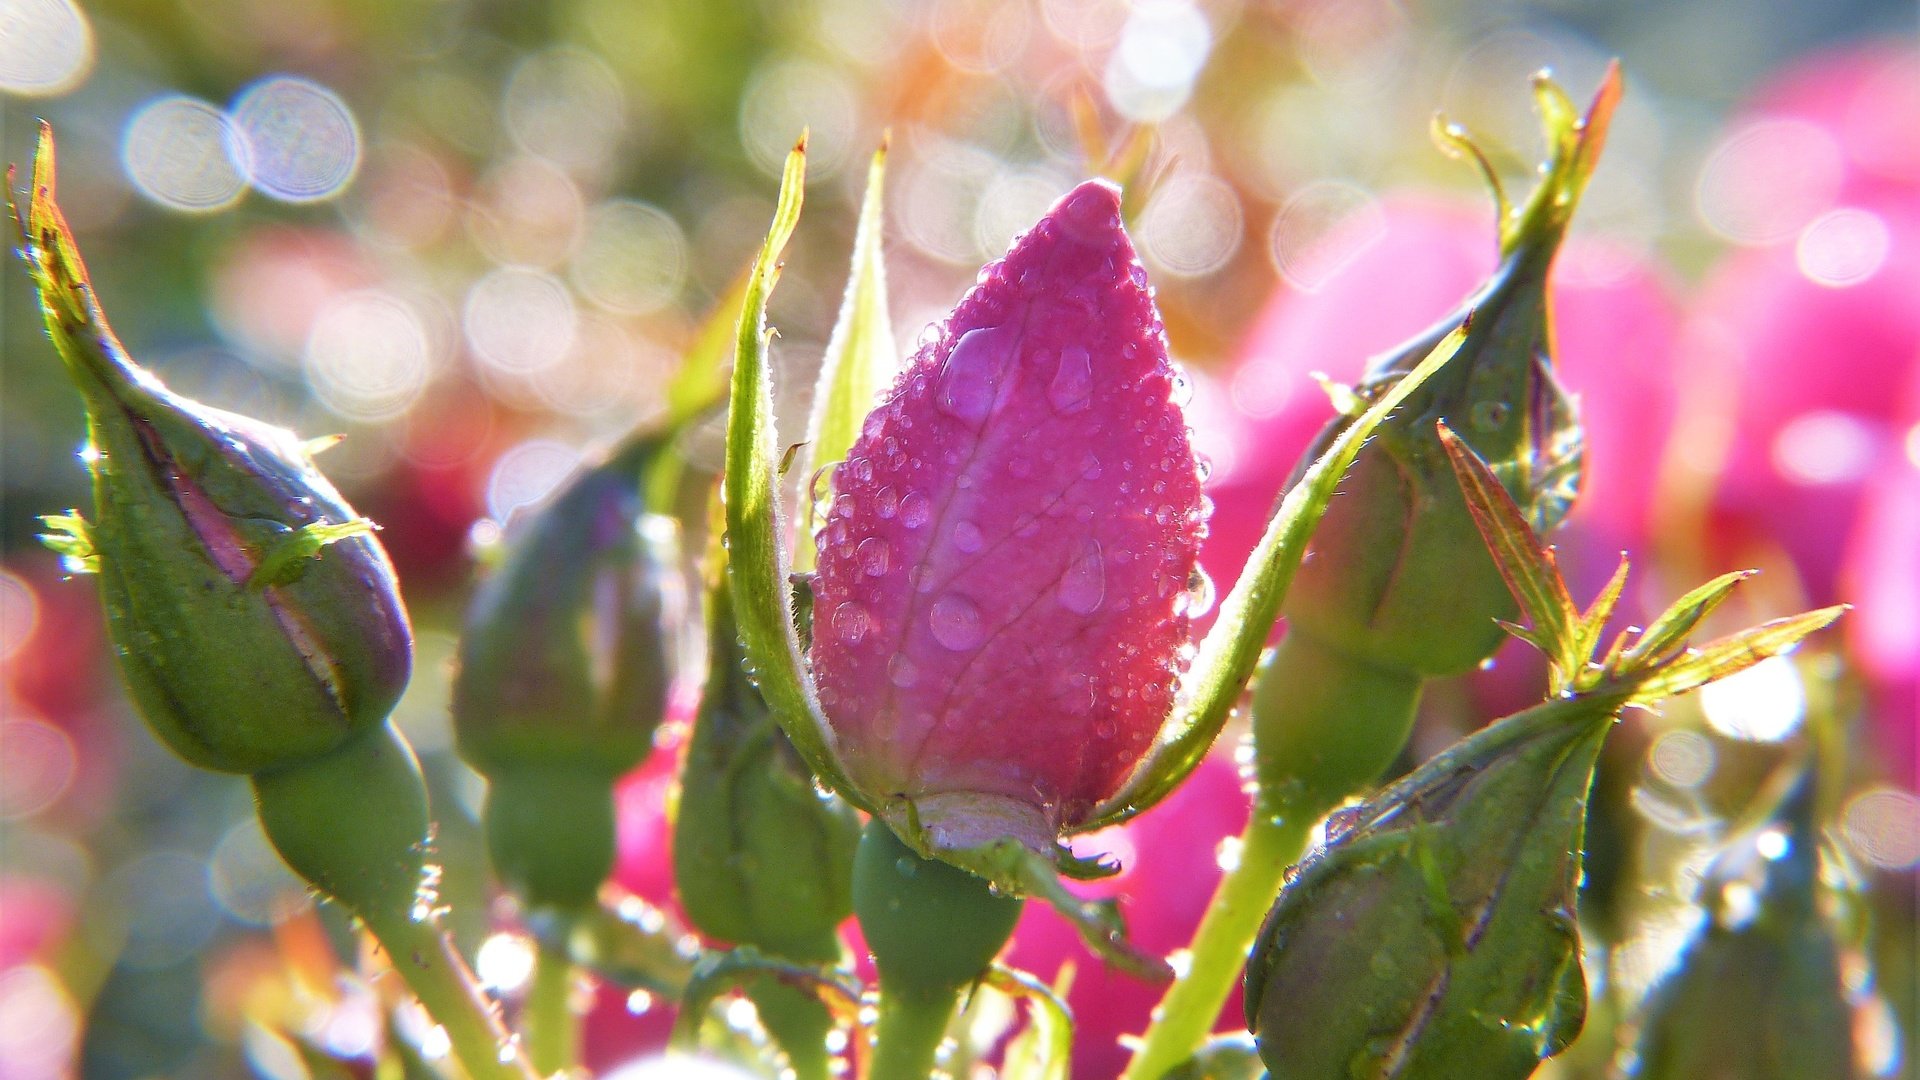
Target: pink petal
998 610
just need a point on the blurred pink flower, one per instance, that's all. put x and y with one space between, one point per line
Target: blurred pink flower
1866 97
999 609
1615 320
1170 862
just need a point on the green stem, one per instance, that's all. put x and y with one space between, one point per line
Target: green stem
1325 726
425 957
551 1025
912 1025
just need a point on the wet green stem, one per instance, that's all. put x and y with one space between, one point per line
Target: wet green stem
551 1025
1325 726
425 957
912 1024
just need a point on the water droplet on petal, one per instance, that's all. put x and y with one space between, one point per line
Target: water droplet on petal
886 502
874 555
1084 585
969 377
851 622
966 537
955 622
902 672
1072 381
915 510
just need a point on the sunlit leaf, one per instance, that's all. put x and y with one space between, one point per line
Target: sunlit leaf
757 560
860 360
1733 653
1044 1048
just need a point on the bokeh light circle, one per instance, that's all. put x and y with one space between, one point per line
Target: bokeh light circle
302 142
1193 226
37 765
633 258
1764 703
1768 179
1882 826
1323 227
520 321
46 47
791 96
1162 48
368 356
185 155
1843 247
526 473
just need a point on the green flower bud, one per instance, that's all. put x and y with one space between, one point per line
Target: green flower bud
760 857
1397 577
257 622
565 668
1435 935
1766 954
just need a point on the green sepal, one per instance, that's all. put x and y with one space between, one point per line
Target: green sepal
1043 1050
286 559
1655 666
861 358
1017 866
1224 1057
627 941
1231 650
717 972
757 559
69 537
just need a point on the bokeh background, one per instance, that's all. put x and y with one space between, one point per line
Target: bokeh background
474 235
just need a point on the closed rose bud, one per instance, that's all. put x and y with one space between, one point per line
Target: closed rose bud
565 667
760 858
256 620
1765 954
1435 935
1000 608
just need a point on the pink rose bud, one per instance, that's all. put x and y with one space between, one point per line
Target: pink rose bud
1001 602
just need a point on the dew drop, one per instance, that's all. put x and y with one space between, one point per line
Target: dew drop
886 503
968 378
955 622
966 537
1488 415
915 510
1072 381
851 622
862 469
1084 585
902 672
874 555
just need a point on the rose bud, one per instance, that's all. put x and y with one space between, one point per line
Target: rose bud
1435 935
1000 603
1767 954
760 857
256 620
565 667
1397 586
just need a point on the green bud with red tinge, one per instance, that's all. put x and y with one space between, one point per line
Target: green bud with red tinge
1397 587
1397 577
257 622
1767 955
1435 935
760 857
565 669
